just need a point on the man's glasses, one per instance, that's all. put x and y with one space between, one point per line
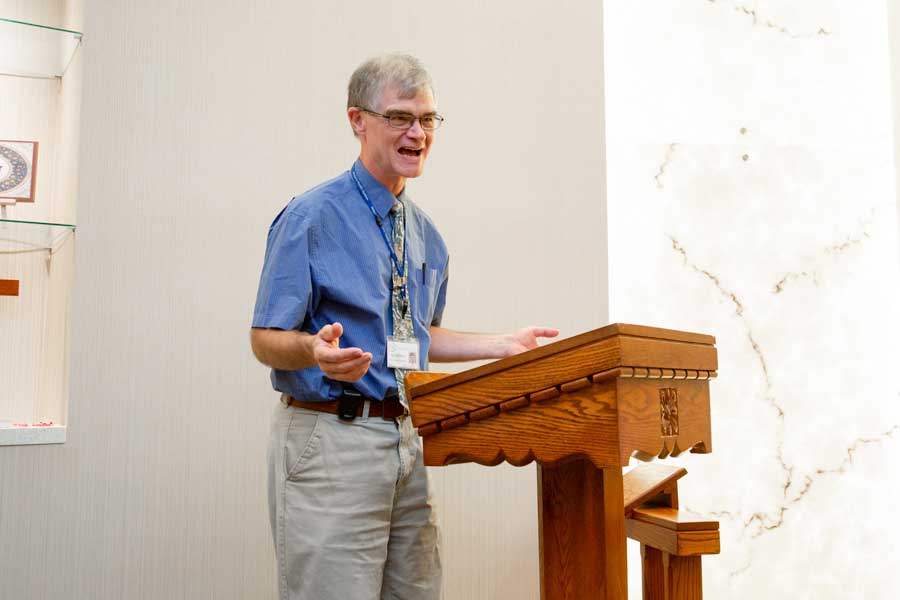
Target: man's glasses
402 120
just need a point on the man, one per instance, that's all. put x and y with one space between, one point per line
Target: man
351 296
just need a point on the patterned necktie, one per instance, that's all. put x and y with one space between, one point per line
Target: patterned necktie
400 308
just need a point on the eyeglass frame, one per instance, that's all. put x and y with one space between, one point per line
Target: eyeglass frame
440 119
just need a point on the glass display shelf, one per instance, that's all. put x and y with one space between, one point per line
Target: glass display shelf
22 236
29 435
31 50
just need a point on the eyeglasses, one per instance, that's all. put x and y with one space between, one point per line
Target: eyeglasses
402 120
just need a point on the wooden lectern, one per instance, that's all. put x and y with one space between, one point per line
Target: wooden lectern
580 407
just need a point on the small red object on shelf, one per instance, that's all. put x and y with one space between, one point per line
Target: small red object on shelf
9 287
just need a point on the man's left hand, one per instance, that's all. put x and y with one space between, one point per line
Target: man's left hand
527 339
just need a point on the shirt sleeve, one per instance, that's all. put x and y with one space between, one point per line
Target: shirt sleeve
285 286
441 296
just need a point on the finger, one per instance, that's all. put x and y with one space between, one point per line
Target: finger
351 377
545 332
328 354
350 366
357 375
350 371
332 332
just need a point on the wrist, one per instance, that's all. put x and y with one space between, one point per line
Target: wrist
308 349
506 345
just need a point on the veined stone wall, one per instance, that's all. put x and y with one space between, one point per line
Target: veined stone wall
751 196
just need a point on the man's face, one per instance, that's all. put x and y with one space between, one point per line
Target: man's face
397 153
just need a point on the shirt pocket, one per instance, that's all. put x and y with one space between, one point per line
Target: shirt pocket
426 294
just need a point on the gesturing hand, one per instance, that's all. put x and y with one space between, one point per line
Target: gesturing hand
340 364
527 338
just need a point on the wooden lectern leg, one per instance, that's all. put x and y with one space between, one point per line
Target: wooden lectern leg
582 532
654 573
670 577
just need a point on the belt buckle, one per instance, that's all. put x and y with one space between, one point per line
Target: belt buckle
348 402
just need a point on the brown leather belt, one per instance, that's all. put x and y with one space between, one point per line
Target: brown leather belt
389 408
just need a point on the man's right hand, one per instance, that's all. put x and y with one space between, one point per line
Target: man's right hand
340 364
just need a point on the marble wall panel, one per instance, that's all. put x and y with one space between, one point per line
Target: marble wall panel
752 196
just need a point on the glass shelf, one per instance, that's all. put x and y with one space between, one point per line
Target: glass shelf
22 236
31 50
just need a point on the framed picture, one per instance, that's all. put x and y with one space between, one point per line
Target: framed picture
18 169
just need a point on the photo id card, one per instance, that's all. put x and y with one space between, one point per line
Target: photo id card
402 353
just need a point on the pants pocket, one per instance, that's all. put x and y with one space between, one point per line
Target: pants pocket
299 441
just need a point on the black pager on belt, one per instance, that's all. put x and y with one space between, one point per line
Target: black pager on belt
348 403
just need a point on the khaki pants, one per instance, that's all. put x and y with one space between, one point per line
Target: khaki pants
351 509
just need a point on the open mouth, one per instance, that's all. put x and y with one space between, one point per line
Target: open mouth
405 151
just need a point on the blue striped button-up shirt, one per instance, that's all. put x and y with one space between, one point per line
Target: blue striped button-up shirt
327 262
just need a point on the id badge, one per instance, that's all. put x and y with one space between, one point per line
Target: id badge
402 353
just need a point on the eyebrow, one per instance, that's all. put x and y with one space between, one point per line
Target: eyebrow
404 112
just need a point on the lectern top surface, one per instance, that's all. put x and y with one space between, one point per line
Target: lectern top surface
609 331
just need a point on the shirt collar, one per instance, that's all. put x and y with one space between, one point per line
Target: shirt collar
380 196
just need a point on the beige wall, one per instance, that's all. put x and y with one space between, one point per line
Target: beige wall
200 121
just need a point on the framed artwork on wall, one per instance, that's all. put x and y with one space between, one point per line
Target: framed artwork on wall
18 170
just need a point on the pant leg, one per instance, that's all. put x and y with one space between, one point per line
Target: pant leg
332 486
412 570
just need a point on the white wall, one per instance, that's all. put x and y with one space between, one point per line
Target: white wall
893 26
201 119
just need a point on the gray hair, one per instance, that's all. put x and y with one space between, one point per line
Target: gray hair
404 72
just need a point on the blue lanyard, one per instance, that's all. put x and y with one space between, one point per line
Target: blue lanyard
397 264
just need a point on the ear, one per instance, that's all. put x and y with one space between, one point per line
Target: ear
357 122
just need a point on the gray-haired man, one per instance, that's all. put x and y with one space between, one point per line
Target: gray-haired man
351 295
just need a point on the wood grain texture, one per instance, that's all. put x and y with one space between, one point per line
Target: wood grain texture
680 543
684 579
654 353
609 331
647 481
562 363
667 577
639 417
514 404
582 532
653 573
585 415
583 422
672 518
470 393
417 378
9 287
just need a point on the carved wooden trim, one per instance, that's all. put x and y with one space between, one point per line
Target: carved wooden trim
631 333
668 412
544 395
492 410
645 373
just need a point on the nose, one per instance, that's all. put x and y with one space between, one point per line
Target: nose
415 130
